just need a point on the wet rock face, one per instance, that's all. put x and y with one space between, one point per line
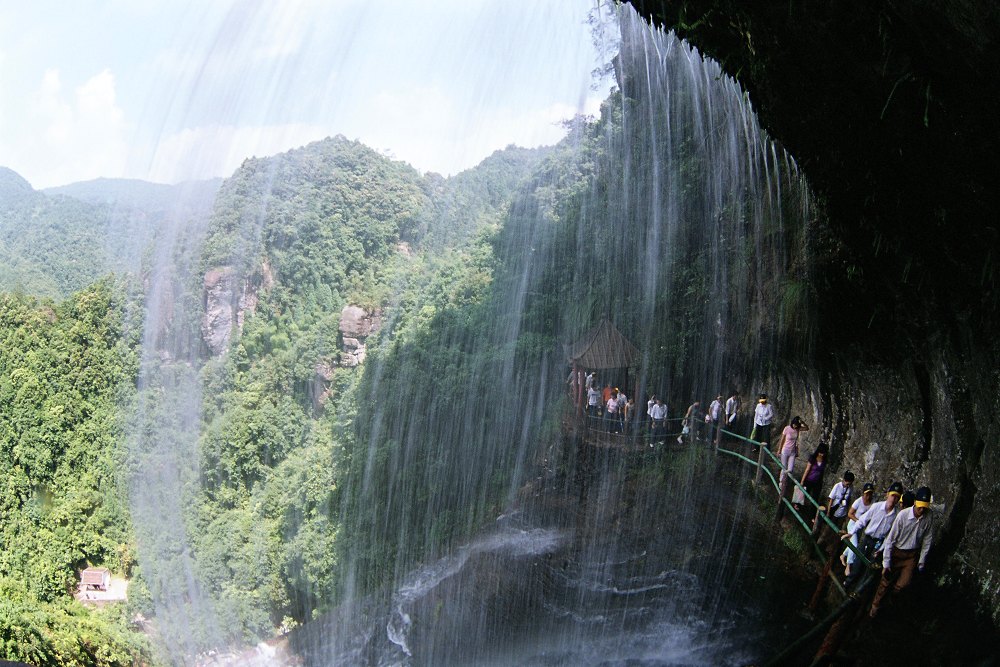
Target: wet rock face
217 322
227 299
888 111
922 423
356 325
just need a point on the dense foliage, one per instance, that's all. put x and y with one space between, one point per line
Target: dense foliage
65 372
57 242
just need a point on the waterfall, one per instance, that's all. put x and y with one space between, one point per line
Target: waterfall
678 219
439 508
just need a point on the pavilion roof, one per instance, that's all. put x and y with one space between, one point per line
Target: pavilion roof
603 347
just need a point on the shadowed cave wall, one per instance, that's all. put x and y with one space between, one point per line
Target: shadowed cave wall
891 109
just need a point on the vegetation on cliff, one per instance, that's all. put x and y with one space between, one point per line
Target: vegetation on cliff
66 372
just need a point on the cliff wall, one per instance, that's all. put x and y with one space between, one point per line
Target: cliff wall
890 109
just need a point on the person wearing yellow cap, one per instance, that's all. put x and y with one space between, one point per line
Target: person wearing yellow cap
763 415
906 546
872 527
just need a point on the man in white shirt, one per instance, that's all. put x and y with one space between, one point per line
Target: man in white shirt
840 499
763 415
874 525
732 408
906 546
593 401
715 415
658 413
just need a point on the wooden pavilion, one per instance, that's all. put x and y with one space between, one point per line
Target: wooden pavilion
604 347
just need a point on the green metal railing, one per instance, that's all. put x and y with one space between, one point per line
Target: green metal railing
850 599
641 429
714 434
762 469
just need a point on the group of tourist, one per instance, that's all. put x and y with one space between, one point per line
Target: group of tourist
897 531
611 410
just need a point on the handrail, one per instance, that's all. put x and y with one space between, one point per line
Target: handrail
596 423
715 433
805 526
764 449
822 514
790 650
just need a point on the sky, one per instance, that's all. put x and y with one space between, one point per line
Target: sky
174 90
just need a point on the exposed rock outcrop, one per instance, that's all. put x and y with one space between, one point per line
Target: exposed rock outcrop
227 298
356 325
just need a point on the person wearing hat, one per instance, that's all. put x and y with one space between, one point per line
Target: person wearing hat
763 415
858 509
906 546
872 527
840 499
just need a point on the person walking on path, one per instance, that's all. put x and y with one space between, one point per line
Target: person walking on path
715 417
871 529
732 409
593 402
763 415
906 546
840 499
612 413
859 508
629 417
812 479
690 422
788 447
658 415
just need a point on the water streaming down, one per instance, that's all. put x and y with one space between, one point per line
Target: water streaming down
462 519
163 441
675 217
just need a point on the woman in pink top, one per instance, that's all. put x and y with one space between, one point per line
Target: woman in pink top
788 446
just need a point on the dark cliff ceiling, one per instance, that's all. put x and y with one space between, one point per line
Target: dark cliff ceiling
893 110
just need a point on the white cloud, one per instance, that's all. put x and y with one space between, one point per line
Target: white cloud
217 150
69 136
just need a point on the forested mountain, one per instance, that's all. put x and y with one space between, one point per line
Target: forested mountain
305 233
57 241
135 194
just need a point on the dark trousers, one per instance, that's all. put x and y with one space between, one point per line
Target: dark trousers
614 422
761 433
